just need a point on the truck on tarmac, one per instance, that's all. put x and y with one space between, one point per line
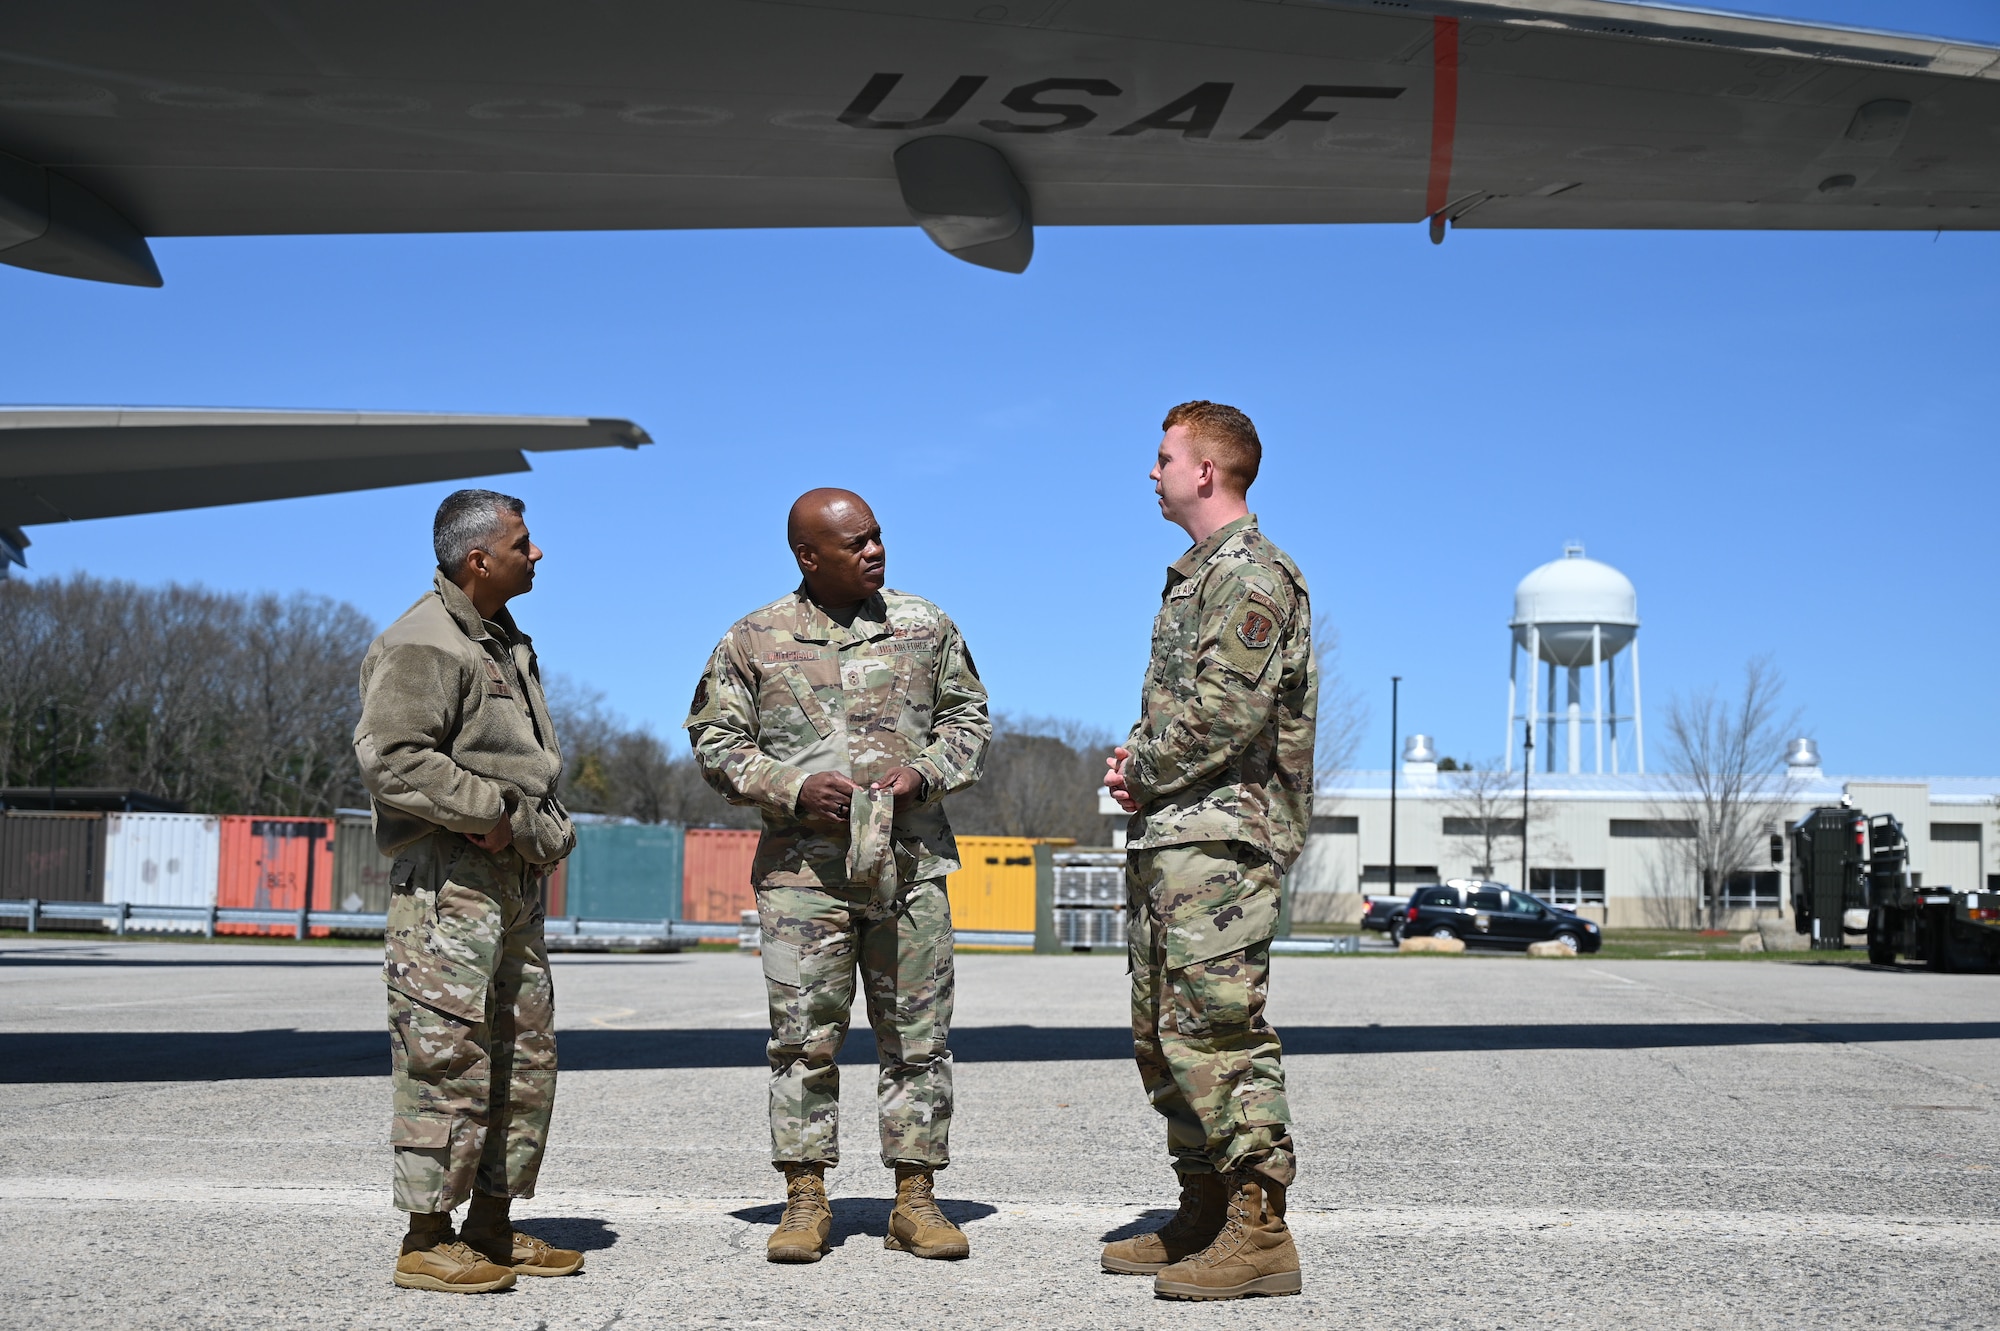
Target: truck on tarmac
1850 875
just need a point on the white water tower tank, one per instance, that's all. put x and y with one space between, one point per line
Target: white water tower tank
1574 614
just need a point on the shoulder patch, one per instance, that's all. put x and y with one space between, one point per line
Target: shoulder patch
1253 627
1248 634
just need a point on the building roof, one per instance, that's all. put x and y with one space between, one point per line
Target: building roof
1653 786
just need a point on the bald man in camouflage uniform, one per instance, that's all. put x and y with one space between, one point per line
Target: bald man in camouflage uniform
847 712
1218 773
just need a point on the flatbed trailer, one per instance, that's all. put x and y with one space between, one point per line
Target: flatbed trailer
1850 876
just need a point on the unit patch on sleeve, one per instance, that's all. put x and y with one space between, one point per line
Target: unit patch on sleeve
1254 629
1249 633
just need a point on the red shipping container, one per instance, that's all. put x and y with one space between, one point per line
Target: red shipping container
268 864
555 891
715 875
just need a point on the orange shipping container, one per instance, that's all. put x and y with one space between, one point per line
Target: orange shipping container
715 874
268 863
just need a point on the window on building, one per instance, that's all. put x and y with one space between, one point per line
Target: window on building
1759 891
1478 827
1954 831
1349 826
1407 875
1679 828
1568 887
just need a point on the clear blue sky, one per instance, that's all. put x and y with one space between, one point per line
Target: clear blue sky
1787 441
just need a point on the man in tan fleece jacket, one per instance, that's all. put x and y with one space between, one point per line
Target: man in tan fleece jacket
460 756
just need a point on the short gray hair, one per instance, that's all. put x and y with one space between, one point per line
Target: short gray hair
465 521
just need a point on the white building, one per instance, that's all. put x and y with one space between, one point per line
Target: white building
1604 844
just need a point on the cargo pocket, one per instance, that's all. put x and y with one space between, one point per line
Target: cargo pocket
781 962
1205 929
421 1132
444 957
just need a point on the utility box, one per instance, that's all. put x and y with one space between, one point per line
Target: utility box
1086 902
1829 873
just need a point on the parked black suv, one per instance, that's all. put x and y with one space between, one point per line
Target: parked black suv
1486 914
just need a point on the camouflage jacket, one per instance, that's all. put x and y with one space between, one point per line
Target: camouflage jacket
789 692
1223 750
455 732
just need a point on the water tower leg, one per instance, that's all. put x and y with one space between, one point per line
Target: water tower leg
1597 691
1611 672
1513 673
1575 719
1550 721
1528 696
1638 714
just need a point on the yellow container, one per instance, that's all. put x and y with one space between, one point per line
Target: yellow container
996 888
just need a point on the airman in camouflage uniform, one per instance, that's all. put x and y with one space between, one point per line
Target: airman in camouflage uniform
459 753
1218 773
846 713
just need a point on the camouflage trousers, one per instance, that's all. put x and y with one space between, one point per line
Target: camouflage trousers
813 938
1199 923
471 1024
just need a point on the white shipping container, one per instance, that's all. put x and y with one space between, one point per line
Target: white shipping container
162 859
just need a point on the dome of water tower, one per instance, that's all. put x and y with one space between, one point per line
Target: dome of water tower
1566 599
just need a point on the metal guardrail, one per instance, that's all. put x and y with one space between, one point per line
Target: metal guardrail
125 917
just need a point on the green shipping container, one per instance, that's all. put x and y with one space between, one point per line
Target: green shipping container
625 872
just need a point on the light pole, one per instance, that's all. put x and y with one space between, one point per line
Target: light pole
1527 766
1395 727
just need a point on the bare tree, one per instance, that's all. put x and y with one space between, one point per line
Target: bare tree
227 703
1041 779
1342 715
1728 758
613 767
1482 821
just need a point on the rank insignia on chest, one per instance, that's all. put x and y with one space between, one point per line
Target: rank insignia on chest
1254 630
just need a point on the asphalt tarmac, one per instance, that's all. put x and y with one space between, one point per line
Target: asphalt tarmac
194 1136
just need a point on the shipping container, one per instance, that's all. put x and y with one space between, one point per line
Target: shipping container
625 871
360 871
995 888
162 859
52 856
715 885
555 891
270 864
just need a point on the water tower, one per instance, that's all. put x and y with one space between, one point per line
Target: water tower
1574 614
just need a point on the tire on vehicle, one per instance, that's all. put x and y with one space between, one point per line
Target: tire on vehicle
1444 931
1569 939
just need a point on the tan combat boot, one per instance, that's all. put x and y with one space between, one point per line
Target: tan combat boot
916 1225
802 1231
432 1258
489 1232
1204 1207
1253 1254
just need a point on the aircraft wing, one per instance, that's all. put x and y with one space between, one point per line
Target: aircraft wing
59 464
125 119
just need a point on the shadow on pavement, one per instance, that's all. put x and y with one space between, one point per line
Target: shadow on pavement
581 1233
867 1217
1147 1222
121 1056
